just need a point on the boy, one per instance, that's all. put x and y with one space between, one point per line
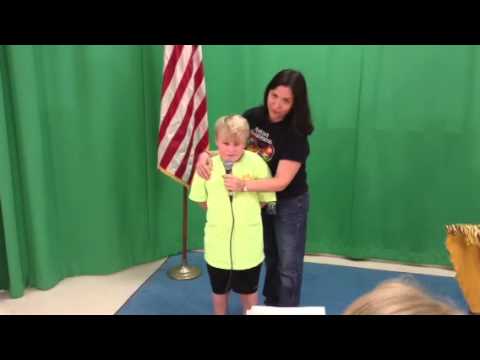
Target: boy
233 230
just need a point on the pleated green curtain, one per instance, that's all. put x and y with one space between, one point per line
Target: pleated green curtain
395 155
80 193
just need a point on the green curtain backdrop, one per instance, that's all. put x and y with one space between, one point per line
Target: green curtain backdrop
80 191
394 157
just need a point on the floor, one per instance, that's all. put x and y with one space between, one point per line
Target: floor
104 295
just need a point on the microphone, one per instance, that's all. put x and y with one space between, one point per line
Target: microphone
228 169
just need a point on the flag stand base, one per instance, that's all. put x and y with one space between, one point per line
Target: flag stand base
184 272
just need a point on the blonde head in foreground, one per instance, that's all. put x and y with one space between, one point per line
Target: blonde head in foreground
400 297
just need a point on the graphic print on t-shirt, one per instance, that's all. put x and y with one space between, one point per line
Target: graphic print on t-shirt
259 142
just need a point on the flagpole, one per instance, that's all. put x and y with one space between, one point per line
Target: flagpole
184 271
183 87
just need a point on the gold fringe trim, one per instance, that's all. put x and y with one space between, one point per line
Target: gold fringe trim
173 177
469 231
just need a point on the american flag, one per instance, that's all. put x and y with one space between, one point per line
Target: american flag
183 130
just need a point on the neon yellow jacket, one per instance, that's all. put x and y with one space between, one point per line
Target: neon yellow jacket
246 240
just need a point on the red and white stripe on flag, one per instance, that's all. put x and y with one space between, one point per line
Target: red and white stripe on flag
183 130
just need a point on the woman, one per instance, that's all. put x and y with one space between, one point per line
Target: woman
278 132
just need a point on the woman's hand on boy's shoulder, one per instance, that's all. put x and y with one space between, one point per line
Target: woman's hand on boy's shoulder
204 165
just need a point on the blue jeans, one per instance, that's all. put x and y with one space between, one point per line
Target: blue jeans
284 237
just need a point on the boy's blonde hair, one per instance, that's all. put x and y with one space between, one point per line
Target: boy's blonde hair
233 126
400 297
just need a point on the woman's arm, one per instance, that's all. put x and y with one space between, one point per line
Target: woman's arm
286 171
204 164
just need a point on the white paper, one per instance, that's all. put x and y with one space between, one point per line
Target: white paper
277 310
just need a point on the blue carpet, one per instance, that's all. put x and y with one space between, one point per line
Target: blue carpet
332 286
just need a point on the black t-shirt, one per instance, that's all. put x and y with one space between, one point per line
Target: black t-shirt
278 141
